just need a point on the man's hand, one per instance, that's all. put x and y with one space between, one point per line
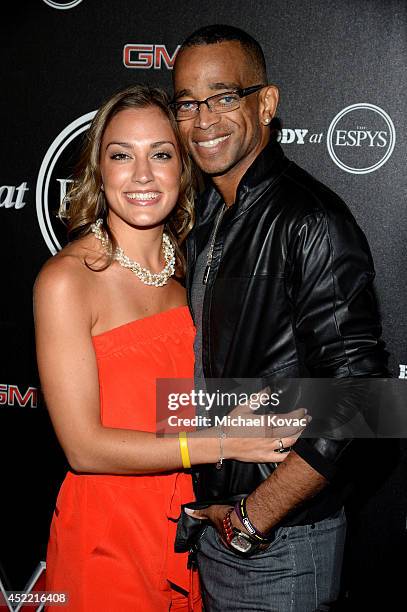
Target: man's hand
215 514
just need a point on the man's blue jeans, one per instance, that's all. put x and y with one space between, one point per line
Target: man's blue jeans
299 572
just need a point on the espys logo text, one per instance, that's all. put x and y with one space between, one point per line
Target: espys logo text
53 179
361 138
62 5
146 56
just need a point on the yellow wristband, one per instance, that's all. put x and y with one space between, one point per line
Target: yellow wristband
183 444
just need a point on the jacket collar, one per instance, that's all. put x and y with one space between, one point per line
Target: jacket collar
267 166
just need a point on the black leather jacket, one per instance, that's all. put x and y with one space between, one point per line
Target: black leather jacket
290 294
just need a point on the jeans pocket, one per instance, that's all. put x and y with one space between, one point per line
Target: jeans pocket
280 536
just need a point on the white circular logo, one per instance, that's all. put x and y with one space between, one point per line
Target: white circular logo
361 138
63 5
53 178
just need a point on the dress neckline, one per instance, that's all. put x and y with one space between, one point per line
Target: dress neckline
141 320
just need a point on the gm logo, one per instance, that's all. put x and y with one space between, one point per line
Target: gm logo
144 57
10 395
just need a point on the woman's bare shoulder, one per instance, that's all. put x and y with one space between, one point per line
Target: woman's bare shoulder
68 271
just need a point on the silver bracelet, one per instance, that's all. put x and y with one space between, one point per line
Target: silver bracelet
222 436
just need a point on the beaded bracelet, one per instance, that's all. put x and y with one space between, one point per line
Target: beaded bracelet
227 526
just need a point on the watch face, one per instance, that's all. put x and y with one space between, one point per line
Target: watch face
241 543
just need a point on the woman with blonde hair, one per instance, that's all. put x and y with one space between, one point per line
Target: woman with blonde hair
111 317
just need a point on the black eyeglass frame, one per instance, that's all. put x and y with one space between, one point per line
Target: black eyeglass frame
242 93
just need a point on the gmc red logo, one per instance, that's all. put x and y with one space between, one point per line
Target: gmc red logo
11 395
145 57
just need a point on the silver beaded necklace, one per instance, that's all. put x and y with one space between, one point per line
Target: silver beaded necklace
144 274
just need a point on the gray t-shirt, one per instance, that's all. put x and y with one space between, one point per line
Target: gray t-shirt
197 300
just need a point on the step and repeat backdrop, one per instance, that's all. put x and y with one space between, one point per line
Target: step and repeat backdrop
341 69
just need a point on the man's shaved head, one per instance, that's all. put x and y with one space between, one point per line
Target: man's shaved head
212 34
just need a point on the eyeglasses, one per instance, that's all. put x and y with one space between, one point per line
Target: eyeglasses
220 103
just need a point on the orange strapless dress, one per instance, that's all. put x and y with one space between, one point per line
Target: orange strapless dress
111 546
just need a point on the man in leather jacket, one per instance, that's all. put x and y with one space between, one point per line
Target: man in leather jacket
280 284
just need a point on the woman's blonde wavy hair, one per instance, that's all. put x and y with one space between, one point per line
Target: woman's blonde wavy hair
85 201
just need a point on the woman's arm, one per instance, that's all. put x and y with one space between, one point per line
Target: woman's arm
69 379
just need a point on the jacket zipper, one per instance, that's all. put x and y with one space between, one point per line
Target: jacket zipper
212 245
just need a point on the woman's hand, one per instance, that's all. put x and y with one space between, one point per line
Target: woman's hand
261 438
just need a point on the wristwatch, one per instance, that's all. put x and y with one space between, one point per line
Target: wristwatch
240 541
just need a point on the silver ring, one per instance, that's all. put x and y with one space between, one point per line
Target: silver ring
281 449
